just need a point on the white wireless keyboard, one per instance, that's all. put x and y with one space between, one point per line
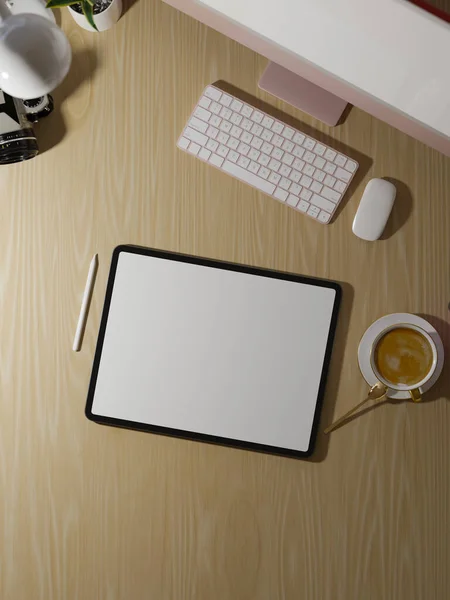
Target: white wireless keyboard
267 154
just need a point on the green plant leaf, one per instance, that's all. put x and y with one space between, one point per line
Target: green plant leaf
91 2
59 3
89 13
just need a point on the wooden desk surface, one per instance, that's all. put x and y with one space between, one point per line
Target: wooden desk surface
91 512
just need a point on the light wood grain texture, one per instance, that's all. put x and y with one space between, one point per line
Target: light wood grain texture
90 512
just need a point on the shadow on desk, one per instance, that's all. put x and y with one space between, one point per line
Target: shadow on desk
127 5
365 162
51 131
401 210
334 373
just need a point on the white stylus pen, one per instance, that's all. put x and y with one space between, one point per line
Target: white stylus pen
85 304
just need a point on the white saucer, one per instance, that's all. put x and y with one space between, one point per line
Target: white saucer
376 328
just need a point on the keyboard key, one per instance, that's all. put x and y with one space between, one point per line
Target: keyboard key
215 160
339 186
351 166
246 110
295 189
330 181
215 108
233 156
256 142
274 165
288 133
305 194
236 131
277 140
263 159
285 183
295 176
253 154
298 138
235 118
322 203
319 149
267 148
319 175
183 143
243 148
253 167
324 217
212 132
225 126
257 129
316 187
243 175
343 174
330 194
225 99
288 146
330 154
305 181
246 137
222 150
319 162
329 168
257 116
202 113
274 178
212 145
264 173
292 200
303 206
223 137
298 164
215 121
309 144
236 105
267 122
308 170
204 102
340 160
298 152
213 93
277 153
277 127
281 194
309 157
288 159
195 136
204 154
267 135
246 124
243 162
233 143
313 211
284 170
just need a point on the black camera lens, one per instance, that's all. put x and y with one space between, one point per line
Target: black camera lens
18 146
17 139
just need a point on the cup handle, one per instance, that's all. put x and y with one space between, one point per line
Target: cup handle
415 395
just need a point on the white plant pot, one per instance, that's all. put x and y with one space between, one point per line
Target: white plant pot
104 20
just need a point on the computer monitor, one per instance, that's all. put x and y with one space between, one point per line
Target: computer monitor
387 57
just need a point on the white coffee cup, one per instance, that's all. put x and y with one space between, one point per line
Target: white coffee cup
414 389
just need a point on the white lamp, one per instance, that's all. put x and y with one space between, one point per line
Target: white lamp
35 54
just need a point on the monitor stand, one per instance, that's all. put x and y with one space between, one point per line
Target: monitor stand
302 94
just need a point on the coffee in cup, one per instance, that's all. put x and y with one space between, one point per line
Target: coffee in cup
404 357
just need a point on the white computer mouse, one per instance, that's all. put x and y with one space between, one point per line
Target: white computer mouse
374 209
